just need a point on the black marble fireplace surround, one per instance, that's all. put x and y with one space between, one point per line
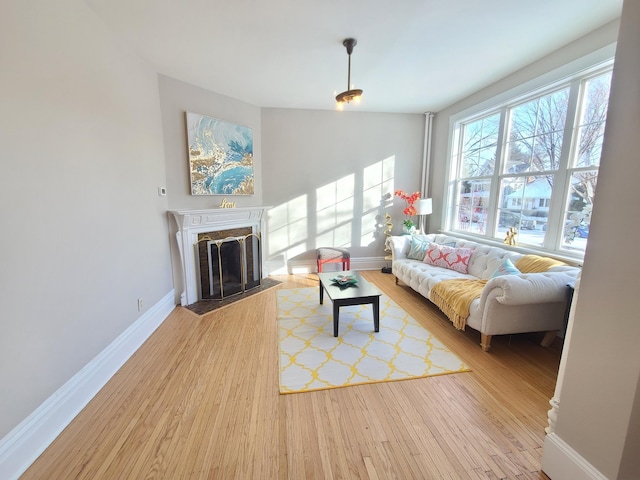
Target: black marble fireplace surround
229 262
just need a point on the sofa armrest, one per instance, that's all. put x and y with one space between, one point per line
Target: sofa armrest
527 288
399 245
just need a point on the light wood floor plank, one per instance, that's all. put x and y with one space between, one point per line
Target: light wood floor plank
200 400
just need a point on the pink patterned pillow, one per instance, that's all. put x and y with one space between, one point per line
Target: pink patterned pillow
448 257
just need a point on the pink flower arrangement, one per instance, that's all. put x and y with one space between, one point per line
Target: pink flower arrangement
409 210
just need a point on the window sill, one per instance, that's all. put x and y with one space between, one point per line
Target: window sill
571 260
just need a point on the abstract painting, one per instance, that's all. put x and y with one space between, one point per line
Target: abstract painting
220 156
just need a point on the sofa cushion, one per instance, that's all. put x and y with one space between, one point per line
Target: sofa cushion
448 257
506 268
418 248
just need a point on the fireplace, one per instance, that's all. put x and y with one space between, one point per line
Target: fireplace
229 262
220 251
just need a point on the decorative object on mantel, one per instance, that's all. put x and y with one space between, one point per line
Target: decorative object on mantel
408 225
220 156
225 204
510 239
350 94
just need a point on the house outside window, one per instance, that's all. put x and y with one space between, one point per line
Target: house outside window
532 164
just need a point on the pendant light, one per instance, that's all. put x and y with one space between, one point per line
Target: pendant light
349 95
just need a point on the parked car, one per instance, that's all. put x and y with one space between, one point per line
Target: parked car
516 219
582 231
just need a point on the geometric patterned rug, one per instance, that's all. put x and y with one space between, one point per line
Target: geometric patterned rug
311 358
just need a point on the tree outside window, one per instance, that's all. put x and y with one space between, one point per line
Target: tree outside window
531 176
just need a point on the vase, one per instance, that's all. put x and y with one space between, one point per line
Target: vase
408 230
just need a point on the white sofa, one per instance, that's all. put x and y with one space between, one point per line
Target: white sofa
509 304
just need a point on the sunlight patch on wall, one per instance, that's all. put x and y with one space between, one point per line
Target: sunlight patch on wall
335 212
335 192
377 195
288 228
380 173
371 227
336 237
348 212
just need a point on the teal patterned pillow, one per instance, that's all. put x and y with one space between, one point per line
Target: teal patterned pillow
418 248
506 268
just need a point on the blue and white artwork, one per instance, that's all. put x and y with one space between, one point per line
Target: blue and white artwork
220 156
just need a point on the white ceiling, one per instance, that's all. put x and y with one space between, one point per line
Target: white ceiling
412 56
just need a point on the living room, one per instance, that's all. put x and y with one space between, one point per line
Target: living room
90 133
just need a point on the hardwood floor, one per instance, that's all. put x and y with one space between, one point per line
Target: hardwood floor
200 400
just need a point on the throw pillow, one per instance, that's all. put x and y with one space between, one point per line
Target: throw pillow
418 248
506 268
448 257
536 264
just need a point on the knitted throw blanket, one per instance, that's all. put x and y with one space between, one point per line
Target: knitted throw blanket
454 298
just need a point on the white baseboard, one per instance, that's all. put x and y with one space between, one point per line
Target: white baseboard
369 263
561 462
24 444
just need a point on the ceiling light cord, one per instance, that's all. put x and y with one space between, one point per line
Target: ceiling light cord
349 70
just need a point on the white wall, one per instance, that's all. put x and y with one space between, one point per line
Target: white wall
327 174
600 400
176 98
84 233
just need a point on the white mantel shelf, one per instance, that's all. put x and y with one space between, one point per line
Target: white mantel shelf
190 223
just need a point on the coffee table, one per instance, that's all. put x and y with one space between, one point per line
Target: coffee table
360 294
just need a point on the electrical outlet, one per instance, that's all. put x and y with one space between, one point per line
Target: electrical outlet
162 191
140 304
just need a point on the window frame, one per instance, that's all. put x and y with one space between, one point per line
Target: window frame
567 162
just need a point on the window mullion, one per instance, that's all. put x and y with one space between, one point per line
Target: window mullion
559 196
455 162
497 174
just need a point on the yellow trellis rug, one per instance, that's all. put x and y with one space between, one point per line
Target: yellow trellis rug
311 358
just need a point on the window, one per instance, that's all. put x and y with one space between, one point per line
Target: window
532 164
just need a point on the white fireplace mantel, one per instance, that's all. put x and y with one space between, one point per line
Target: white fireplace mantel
192 222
